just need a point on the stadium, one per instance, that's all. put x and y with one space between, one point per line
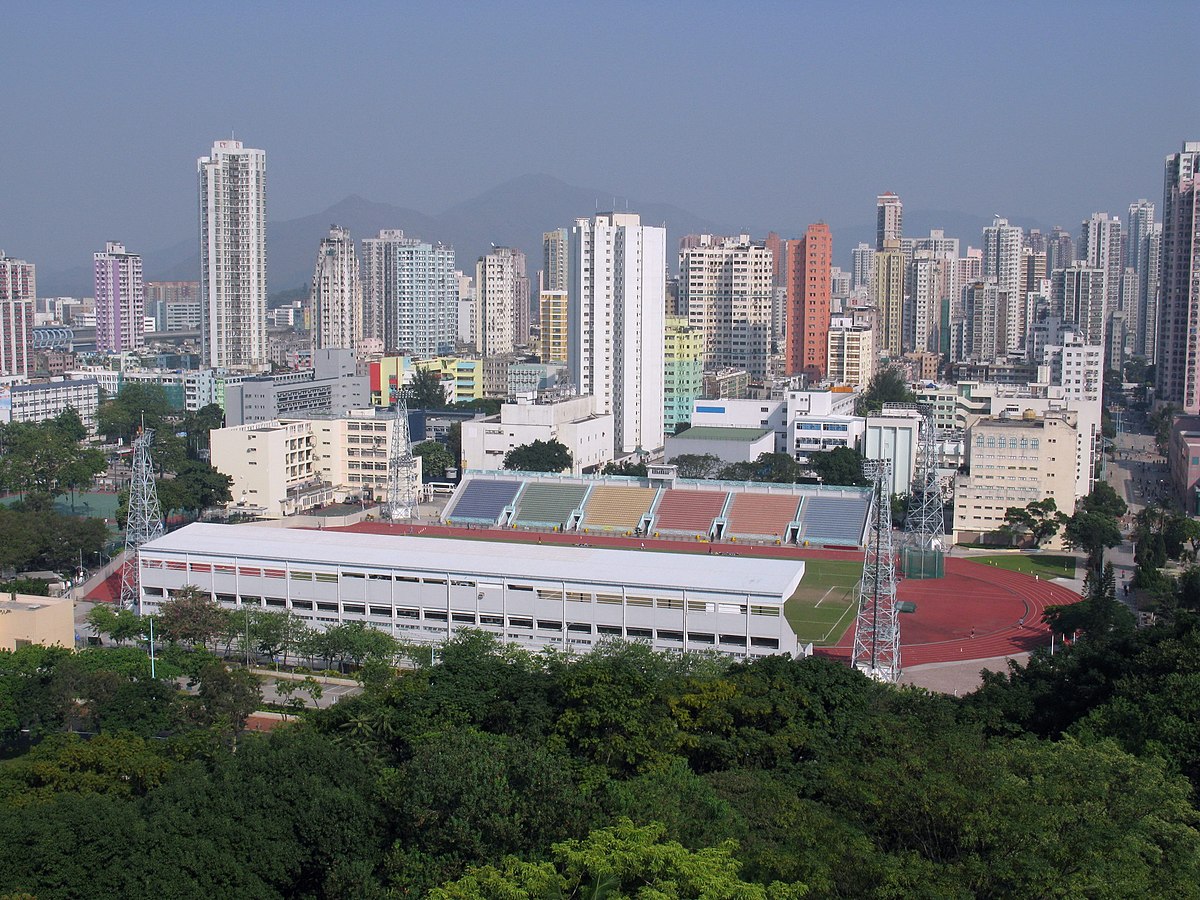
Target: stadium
742 569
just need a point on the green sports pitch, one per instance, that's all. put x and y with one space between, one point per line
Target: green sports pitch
823 606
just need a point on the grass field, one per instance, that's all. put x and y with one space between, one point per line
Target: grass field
823 606
1042 566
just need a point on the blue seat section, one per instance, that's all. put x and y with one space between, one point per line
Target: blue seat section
548 503
482 500
835 520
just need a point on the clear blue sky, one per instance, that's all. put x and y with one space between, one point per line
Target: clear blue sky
762 114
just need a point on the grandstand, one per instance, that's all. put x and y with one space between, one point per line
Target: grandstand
482 500
813 515
617 507
689 512
756 515
549 505
835 520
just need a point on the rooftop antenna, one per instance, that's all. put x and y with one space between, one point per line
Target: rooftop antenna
144 518
877 628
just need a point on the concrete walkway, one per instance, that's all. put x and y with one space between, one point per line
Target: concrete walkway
957 678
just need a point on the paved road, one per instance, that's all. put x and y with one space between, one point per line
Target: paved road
1138 474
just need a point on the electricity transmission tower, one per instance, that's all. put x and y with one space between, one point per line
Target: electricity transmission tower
144 522
877 628
401 503
925 525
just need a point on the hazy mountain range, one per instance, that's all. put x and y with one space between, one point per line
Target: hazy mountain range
513 214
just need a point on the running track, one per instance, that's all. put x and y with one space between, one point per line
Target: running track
973 599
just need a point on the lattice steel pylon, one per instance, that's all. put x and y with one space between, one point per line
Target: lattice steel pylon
144 522
877 628
401 502
925 524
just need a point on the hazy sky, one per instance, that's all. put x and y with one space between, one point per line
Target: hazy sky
757 114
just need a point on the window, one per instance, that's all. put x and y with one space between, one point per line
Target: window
463 618
734 640
385 611
354 609
579 628
516 622
643 634
614 630
434 616
674 636
302 604
769 643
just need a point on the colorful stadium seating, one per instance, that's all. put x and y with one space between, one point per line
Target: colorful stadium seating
761 515
688 511
835 520
483 500
617 508
548 503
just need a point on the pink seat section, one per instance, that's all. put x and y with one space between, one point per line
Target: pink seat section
691 511
761 515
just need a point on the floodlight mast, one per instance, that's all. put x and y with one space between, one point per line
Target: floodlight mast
401 502
144 521
877 627
925 525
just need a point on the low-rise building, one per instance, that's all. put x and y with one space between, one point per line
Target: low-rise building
332 386
1013 460
851 352
726 444
47 399
28 619
731 384
894 435
572 421
289 466
425 589
1183 463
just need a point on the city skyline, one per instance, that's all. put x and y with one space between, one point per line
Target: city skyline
131 184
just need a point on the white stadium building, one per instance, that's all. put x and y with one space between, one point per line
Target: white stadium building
532 595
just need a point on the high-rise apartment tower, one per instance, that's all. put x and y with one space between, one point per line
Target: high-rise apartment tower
233 255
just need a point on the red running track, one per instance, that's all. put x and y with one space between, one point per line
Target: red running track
985 601
976 612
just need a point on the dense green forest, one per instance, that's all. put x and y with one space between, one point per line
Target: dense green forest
623 773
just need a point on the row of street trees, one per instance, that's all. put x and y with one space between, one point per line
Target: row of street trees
192 619
1094 527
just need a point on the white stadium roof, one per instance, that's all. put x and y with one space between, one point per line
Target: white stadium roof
644 568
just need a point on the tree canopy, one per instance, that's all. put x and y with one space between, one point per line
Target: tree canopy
841 465
619 773
886 386
435 458
426 391
539 456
